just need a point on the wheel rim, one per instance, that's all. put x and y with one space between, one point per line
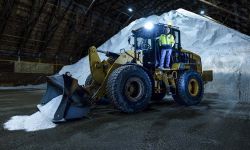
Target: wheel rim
193 87
134 89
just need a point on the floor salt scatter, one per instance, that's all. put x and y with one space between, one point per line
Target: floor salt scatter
38 121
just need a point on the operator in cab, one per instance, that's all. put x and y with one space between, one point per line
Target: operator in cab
166 42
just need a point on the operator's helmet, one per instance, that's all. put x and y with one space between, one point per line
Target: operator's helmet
170 24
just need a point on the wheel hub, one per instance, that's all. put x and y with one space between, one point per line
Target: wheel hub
193 87
134 89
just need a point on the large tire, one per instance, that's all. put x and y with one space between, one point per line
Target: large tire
174 91
190 89
88 80
160 96
129 88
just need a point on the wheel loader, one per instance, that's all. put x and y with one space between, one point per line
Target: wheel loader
131 79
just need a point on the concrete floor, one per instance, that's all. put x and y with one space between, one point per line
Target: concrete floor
214 124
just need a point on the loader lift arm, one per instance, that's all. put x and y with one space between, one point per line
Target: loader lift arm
109 54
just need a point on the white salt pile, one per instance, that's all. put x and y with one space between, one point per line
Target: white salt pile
223 50
38 121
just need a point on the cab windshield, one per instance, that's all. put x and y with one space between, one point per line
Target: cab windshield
143 44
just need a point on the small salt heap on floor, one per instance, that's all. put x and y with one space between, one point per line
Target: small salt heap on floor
38 121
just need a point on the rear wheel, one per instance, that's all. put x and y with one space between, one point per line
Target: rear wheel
190 89
129 87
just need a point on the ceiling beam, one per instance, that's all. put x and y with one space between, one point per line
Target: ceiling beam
52 28
30 25
148 3
6 13
224 10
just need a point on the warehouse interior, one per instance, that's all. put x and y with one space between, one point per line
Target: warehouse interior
40 38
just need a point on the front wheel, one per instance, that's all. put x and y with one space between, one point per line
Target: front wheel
129 87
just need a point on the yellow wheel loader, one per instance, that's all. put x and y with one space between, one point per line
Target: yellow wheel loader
131 78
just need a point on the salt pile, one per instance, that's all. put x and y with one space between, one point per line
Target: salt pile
38 121
224 50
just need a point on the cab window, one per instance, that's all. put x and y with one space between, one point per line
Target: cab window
143 44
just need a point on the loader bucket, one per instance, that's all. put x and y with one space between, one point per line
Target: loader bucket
75 102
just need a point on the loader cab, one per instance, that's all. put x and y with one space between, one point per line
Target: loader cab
146 44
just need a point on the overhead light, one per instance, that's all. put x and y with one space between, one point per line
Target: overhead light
149 25
130 9
202 12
